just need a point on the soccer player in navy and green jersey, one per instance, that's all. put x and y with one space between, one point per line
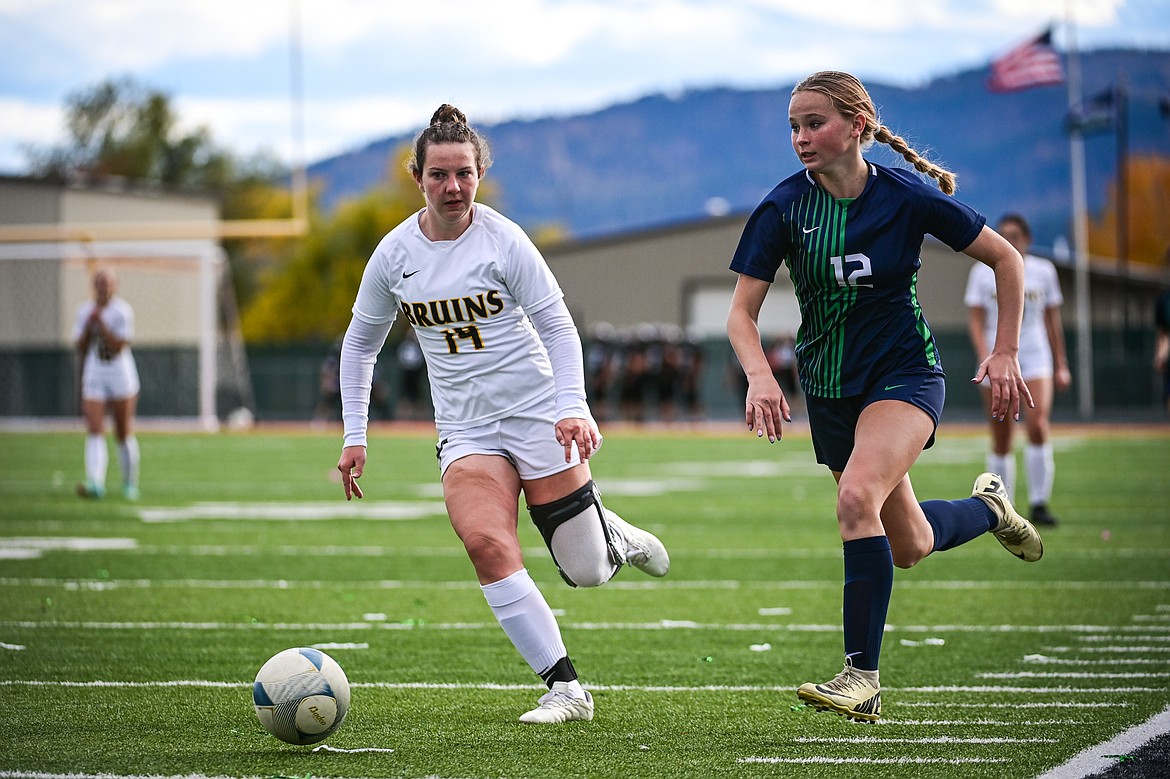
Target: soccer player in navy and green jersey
850 233
854 263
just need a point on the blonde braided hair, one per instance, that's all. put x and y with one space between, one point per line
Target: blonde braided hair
851 98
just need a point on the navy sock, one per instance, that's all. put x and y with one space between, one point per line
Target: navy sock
956 522
869 578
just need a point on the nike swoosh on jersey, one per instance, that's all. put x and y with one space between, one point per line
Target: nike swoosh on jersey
807 230
406 275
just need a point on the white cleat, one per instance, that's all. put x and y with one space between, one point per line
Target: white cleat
558 705
643 549
1017 534
849 694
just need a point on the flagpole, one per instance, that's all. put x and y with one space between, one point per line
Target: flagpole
1076 143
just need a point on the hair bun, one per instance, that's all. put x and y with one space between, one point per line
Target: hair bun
448 113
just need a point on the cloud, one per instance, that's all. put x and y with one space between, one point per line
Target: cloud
377 68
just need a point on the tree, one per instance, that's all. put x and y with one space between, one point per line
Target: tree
124 129
308 291
1148 202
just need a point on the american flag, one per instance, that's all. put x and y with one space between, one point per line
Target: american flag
1033 63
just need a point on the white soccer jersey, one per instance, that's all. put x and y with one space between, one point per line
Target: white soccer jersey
1041 292
468 300
105 375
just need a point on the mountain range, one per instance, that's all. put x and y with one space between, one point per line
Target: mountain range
668 158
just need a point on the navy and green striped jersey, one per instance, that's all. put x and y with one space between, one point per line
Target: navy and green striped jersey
854 264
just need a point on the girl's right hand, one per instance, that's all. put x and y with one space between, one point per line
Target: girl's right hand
766 408
351 465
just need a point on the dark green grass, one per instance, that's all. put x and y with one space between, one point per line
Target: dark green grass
178 617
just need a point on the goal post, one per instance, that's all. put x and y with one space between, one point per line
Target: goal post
190 356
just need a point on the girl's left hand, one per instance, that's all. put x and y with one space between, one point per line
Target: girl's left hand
1007 385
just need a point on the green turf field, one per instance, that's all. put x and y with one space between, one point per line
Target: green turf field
130 633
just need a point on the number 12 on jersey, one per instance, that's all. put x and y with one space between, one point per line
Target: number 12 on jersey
853 270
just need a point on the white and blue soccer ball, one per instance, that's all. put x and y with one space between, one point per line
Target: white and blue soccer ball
301 695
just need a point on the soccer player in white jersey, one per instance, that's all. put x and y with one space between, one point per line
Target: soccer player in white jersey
102 333
507 381
1043 363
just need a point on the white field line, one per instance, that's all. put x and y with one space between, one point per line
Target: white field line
299 511
1072 675
991 723
874 760
714 688
1087 639
105 585
1109 649
926 740
410 510
75 775
1044 660
1021 705
1099 757
704 584
665 624
1023 690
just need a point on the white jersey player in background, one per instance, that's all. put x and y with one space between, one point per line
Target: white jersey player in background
1042 360
507 382
109 380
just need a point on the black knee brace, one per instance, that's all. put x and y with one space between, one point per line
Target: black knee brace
549 516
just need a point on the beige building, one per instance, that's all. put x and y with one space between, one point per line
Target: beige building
52 237
678 275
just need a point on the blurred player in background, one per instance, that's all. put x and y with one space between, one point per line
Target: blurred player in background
109 382
508 385
1162 345
1043 363
850 233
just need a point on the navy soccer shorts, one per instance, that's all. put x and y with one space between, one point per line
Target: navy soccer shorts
834 420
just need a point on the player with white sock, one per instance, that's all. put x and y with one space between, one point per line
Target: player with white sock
505 366
1043 363
102 333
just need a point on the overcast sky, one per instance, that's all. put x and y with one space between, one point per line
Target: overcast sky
373 68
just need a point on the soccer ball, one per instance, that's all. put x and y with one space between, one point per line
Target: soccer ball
301 695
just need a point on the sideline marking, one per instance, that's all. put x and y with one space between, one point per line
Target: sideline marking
1103 756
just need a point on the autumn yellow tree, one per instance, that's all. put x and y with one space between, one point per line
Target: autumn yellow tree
1148 205
306 294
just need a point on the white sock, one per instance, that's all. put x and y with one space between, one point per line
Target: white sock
1040 466
128 459
526 619
97 459
1005 466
